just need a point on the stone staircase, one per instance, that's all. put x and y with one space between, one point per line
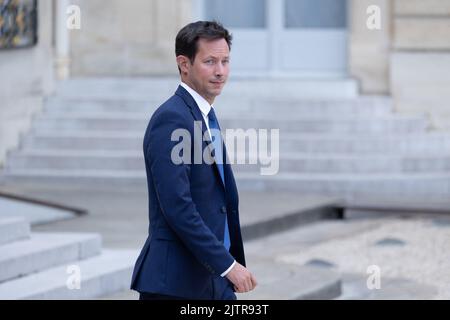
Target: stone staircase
36 265
332 143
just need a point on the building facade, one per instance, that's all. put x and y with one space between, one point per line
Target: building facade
399 48
406 56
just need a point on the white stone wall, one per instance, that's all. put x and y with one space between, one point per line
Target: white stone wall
26 75
127 38
136 37
420 59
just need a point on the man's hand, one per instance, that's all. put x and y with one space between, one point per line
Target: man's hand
242 279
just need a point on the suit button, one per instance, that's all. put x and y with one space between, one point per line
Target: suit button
224 209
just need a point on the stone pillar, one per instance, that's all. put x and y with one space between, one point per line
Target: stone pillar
369 49
62 40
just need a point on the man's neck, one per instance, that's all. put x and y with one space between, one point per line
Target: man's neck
190 85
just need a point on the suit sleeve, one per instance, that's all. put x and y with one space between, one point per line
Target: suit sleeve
172 185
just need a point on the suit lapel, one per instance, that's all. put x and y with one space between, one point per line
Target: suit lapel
197 114
230 184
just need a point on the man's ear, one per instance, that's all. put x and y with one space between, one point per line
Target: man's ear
183 63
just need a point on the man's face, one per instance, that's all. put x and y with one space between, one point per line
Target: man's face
209 72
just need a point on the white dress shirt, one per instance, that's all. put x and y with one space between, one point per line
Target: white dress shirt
204 107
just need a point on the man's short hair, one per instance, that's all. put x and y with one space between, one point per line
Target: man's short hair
186 42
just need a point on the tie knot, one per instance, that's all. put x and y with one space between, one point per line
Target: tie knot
212 115
213 123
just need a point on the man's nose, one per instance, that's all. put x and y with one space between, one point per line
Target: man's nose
220 69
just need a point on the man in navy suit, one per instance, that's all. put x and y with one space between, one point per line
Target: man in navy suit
194 249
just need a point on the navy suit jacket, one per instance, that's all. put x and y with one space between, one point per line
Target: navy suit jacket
187 204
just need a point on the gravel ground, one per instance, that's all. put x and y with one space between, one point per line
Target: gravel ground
411 248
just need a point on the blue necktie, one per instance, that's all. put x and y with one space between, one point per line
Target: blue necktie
218 155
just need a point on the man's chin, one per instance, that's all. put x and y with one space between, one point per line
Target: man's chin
215 92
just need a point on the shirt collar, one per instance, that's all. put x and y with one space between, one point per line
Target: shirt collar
203 105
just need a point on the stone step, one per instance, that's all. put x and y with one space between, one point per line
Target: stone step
426 185
389 124
13 229
271 213
365 105
287 162
319 106
369 207
70 159
302 237
102 275
416 143
345 164
42 251
230 116
113 179
107 140
349 185
158 88
278 281
397 143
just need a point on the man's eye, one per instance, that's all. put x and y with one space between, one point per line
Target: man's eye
209 61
